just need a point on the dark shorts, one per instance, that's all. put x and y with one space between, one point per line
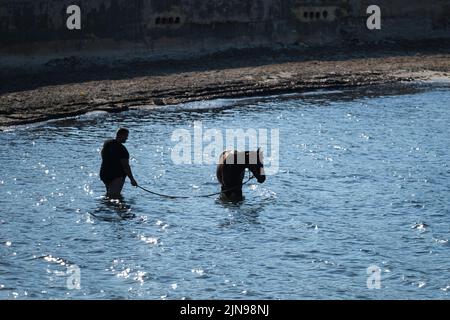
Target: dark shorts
114 187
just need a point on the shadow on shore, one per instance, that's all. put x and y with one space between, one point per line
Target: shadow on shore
77 70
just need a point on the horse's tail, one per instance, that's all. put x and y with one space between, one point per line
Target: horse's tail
223 156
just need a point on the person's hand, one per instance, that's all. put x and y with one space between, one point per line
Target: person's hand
134 183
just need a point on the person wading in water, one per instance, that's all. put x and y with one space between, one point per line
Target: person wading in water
115 165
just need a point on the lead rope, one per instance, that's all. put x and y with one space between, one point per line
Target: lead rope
199 196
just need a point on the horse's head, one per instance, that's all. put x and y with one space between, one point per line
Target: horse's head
257 168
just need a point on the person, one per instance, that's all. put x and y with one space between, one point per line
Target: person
115 164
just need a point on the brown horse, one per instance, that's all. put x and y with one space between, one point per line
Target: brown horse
231 171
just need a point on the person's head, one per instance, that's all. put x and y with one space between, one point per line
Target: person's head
122 135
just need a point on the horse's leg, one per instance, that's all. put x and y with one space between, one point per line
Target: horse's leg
241 180
232 181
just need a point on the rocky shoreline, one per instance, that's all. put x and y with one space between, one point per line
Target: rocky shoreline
63 88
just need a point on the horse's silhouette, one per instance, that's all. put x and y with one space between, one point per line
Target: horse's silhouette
231 171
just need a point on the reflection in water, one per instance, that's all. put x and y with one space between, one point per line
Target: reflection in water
112 209
242 212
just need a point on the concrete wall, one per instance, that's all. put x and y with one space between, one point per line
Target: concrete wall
34 29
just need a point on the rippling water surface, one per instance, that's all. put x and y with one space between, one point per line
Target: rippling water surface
364 180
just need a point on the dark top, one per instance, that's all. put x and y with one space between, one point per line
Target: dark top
113 151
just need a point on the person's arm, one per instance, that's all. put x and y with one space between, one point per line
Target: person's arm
127 169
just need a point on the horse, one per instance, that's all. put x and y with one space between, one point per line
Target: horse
231 171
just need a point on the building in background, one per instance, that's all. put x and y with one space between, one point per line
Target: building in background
35 30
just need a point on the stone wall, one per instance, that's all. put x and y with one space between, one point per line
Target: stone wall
32 30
